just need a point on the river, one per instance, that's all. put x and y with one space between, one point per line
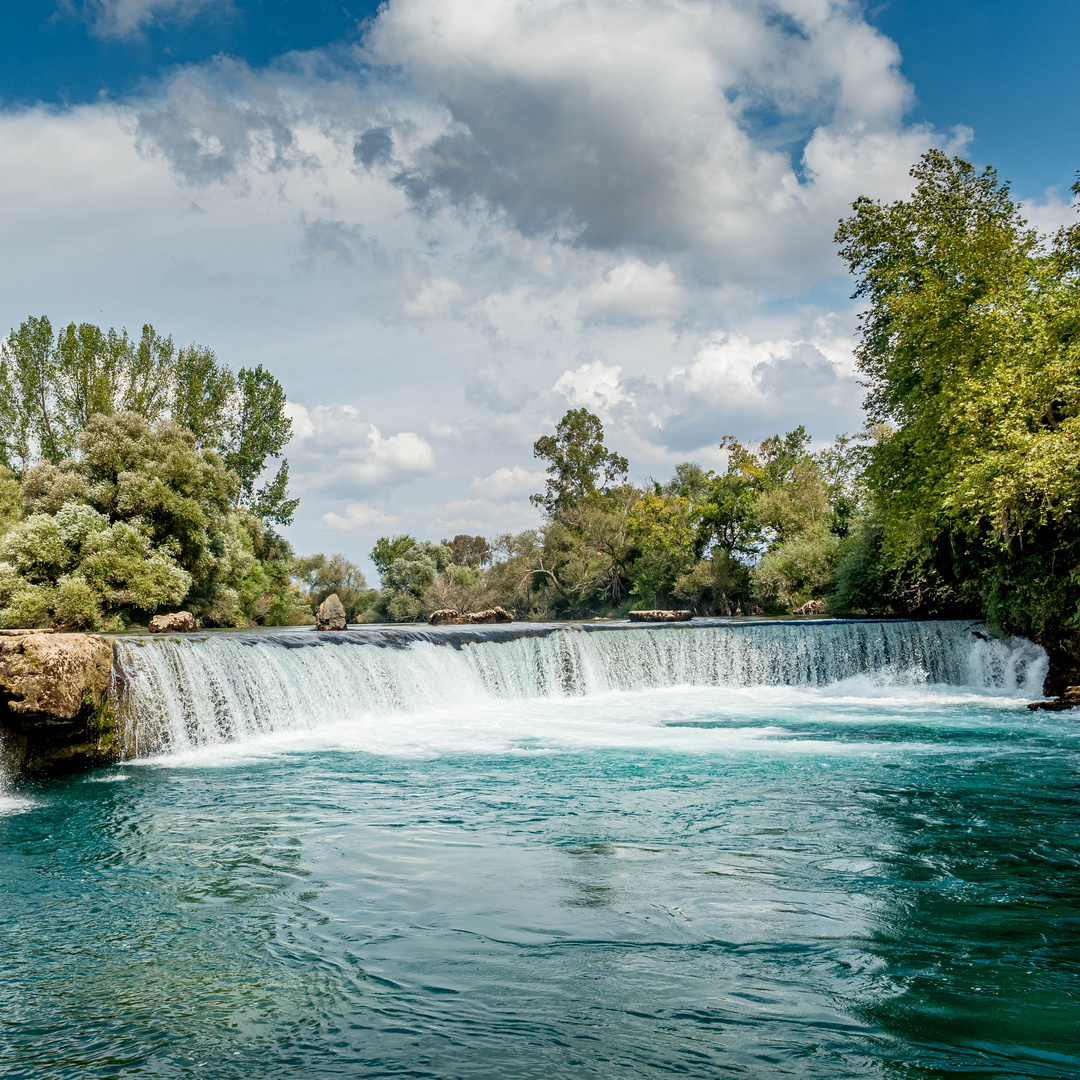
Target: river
842 850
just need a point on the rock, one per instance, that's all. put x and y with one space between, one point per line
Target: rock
331 614
1069 698
491 615
54 713
446 617
811 607
453 617
176 622
661 616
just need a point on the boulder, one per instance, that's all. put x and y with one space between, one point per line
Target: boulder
661 616
491 615
54 712
446 617
331 615
176 622
453 617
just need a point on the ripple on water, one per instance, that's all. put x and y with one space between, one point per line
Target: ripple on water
843 889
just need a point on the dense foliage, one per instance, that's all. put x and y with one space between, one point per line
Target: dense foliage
970 347
129 483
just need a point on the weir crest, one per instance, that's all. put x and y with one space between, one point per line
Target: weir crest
176 693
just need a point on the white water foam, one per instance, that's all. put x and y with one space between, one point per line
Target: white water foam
179 694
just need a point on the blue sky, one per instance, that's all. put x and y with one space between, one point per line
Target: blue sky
443 222
1006 70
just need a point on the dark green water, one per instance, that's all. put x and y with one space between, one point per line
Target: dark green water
703 883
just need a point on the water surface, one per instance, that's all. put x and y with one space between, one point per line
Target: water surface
876 877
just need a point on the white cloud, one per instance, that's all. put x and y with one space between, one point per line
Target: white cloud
633 292
332 448
358 517
638 125
594 386
126 18
435 300
503 483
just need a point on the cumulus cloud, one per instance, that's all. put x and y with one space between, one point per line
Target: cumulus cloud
219 117
435 300
594 386
633 292
705 127
753 385
358 517
332 448
503 483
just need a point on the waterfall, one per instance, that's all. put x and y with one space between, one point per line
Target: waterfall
175 693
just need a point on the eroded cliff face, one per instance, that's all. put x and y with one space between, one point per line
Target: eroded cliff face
55 715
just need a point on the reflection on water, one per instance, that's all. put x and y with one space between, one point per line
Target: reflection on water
835 882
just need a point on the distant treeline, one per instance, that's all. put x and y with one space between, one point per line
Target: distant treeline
959 497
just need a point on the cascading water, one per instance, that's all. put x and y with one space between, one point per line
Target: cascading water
178 693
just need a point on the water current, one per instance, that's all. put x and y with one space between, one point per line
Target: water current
843 850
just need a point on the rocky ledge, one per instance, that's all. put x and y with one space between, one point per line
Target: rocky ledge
55 715
661 616
453 617
1069 698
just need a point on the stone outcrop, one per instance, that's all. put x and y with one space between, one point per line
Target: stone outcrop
1069 698
54 713
1063 651
331 615
453 617
661 616
176 622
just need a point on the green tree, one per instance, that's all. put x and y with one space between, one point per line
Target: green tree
471 551
408 578
260 430
389 548
970 348
321 575
579 464
30 423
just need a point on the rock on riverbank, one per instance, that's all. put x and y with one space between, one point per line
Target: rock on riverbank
661 616
54 714
453 617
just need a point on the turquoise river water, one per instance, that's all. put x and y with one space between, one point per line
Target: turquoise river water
838 850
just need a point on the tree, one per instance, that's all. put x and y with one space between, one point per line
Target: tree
260 430
321 575
29 373
409 576
389 548
471 551
970 348
579 464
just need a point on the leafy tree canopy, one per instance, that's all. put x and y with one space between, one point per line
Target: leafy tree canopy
51 385
579 464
